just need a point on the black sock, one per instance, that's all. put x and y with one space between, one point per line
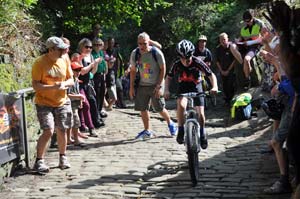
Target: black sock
180 129
284 179
201 131
61 155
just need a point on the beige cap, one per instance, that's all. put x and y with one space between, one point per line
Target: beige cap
202 37
56 42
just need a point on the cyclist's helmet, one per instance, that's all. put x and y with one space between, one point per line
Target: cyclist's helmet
185 48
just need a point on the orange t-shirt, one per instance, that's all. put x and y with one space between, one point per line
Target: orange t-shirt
49 72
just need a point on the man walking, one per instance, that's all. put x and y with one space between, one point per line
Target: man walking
149 62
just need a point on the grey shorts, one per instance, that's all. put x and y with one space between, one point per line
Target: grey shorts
76 121
112 92
51 117
143 96
281 133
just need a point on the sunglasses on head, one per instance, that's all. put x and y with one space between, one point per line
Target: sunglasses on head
88 47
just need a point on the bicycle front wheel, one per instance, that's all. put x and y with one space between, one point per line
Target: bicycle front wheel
192 151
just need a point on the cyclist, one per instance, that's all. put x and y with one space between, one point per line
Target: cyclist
188 69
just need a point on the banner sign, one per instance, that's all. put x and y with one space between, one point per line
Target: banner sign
11 128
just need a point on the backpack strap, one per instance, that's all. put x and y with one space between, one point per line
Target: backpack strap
153 52
138 54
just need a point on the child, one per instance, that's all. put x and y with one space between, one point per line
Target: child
76 102
111 82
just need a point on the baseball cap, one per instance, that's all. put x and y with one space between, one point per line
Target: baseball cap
202 37
56 42
75 66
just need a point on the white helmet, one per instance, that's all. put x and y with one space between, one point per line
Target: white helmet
185 48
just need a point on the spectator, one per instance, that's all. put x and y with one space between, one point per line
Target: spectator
51 77
249 42
99 77
76 102
205 55
95 33
111 59
86 123
225 64
150 86
202 52
113 52
86 74
282 185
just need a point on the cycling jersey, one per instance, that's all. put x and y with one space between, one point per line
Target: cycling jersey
189 78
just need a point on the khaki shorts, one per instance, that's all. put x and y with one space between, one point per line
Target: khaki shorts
51 117
143 96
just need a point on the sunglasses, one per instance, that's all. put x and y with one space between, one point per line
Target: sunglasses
88 47
247 21
97 44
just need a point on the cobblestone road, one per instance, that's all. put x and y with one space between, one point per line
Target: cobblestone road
114 165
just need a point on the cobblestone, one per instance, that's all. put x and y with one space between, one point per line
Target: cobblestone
115 165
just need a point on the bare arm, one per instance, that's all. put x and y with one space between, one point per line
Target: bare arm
167 84
213 81
155 43
132 79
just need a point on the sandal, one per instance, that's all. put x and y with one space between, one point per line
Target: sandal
82 135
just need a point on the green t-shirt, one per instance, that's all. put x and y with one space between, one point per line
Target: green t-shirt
102 64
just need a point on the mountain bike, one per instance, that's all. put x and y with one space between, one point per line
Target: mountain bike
192 134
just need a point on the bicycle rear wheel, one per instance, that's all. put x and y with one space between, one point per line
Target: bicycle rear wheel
192 151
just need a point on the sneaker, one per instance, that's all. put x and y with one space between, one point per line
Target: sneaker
92 133
279 188
103 114
180 137
172 128
144 135
63 162
40 166
99 124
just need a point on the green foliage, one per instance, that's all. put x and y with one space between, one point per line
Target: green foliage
12 79
72 17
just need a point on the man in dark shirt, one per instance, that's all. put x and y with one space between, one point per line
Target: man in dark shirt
225 64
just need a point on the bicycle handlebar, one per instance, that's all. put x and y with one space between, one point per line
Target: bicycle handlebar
195 94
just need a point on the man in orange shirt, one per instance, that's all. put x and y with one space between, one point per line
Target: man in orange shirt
51 76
